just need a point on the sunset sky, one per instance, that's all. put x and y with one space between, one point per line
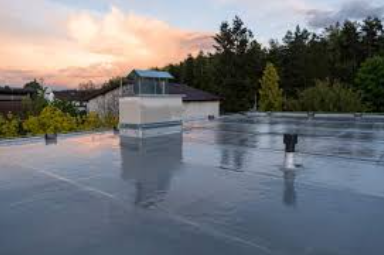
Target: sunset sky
66 42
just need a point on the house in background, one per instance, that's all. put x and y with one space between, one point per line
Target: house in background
11 99
197 104
78 98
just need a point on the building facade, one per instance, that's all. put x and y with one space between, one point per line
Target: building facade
11 99
78 98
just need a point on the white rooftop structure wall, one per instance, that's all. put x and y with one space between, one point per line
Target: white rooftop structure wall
150 115
200 110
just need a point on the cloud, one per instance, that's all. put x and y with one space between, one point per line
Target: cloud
356 10
271 19
66 47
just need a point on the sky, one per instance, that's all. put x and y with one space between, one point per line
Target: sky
67 42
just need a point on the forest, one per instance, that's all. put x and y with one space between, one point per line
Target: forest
337 69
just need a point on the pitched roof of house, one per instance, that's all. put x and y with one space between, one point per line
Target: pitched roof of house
190 94
152 74
73 95
102 91
16 91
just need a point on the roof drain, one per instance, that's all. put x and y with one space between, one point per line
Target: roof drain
50 139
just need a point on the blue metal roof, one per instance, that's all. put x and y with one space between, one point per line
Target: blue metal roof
153 74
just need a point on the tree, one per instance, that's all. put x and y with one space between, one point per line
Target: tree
370 81
239 96
372 30
187 74
203 73
350 51
275 52
87 86
66 107
175 70
271 96
294 60
33 105
237 56
33 85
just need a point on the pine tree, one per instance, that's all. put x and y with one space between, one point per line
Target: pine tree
294 60
187 76
271 96
236 55
372 30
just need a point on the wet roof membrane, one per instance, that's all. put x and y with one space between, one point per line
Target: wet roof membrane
218 189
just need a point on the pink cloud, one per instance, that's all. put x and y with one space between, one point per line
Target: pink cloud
86 46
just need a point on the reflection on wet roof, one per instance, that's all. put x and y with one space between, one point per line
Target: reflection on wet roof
217 189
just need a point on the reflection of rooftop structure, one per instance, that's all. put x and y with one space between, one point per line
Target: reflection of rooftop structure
151 164
289 197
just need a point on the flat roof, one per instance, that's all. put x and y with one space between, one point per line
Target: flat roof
220 188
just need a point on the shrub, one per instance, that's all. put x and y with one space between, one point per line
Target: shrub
66 107
50 121
92 121
9 126
324 97
2 122
110 121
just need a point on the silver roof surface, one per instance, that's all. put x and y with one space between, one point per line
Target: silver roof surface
220 188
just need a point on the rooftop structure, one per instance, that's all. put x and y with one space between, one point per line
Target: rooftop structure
149 82
151 74
217 189
196 103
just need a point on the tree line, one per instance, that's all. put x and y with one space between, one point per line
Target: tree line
343 62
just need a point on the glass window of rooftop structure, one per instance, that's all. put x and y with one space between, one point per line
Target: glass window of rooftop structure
150 82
